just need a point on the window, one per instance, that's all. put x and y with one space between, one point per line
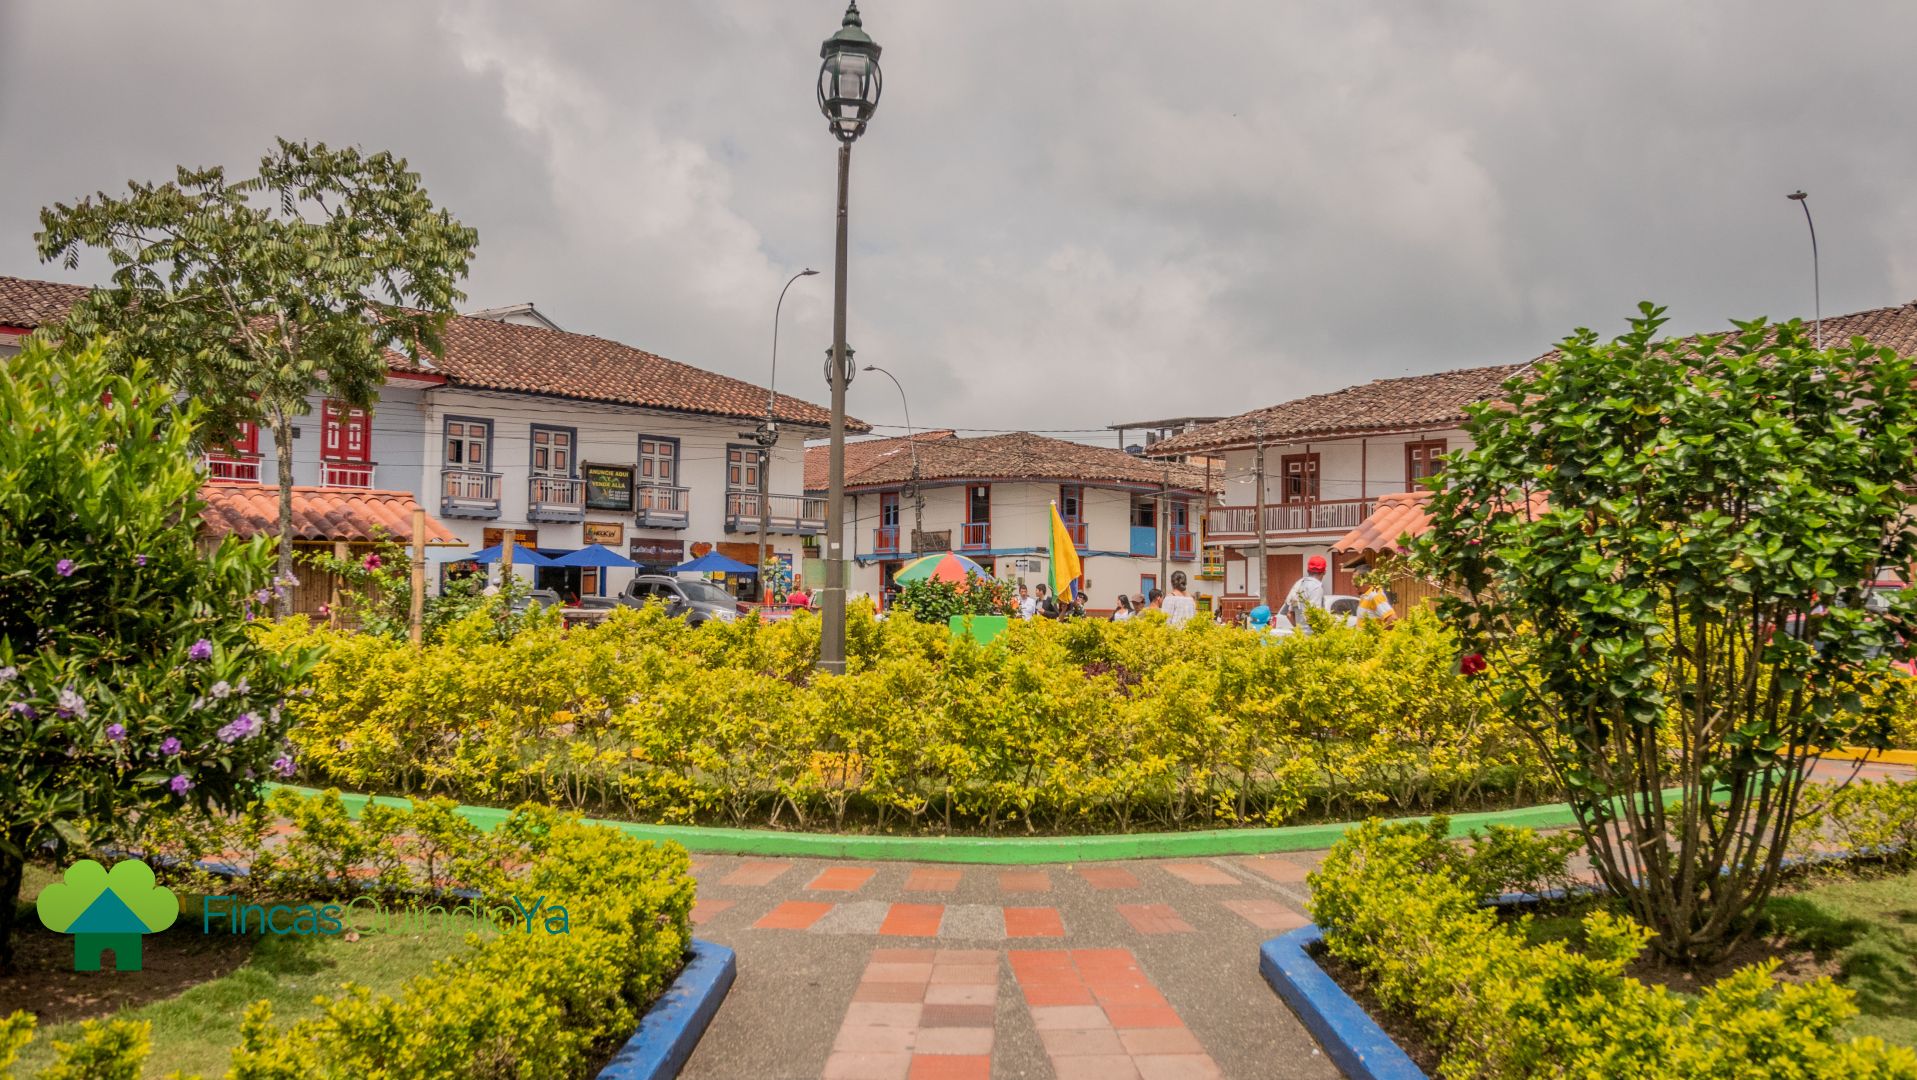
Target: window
1180 515
1298 478
1146 583
658 460
978 504
1422 459
1145 513
245 441
1071 502
345 433
552 451
466 444
742 468
889 510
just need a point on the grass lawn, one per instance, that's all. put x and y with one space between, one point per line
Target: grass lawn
1867 926
196 990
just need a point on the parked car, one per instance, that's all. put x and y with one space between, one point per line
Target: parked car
695 601
544 598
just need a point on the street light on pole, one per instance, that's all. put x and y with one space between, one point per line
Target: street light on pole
849 86
1817 285
768 436
911 440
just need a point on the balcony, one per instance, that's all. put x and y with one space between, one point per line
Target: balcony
227 470
1076 530
468 493
346 474
662 506
977 536
1287 519
1213 568
555 498
885 539
1184 545
791 515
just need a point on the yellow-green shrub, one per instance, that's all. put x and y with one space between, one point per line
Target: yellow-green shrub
1402 907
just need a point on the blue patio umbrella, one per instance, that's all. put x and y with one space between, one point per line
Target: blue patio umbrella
522 556
712 563
593 555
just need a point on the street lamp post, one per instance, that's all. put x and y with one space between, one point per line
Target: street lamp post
911 440
768 436
849 86
1817 284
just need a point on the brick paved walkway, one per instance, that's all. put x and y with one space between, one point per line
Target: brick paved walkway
1143 970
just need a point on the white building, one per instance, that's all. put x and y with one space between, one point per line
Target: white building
564 439
1134 521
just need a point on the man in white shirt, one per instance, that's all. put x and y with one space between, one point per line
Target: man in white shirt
1179 607
1309 592
1027 603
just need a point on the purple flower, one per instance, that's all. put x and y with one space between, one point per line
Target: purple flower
240 728
21 708
71 704
139 560
180 784
116 733
263 596
9 673
64 568
220 689
169 746
284 765
201 650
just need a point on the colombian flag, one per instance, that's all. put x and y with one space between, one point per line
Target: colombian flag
1066 573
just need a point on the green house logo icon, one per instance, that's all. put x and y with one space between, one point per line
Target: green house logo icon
105 910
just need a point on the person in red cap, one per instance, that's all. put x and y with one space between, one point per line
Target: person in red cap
1309 592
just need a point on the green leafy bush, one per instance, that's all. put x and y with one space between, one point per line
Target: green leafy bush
128 681
1403 908
937 601
1062 726
1877 818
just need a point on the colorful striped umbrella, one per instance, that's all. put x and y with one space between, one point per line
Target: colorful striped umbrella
941 567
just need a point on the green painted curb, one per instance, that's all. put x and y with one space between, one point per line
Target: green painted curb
1004 851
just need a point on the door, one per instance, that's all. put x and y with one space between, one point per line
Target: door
1298 478
1422 459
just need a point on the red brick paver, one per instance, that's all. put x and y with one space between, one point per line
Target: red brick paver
920 1014
932 879
1027 922
1200 874
755 873
1109 877
1123 1028
1266 914
913 920
704 910
793 915
842 879
1154 919
1024 881
1277 868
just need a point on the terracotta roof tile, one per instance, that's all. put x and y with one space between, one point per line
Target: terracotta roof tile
1399 516
1438 399
493 355
319 513
1012 456
861 454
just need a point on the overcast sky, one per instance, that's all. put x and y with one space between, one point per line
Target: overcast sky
1065 214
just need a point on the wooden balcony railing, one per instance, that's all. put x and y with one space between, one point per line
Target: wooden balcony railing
975 536
469 493
555 498
349 474
1184 545
885 539
802 515
663 506
232 470
1336 515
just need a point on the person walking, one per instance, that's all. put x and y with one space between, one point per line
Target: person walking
1375 602
1027 606
1123 611
1308 592
1180 608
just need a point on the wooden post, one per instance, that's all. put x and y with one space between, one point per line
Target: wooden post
417 617
341 552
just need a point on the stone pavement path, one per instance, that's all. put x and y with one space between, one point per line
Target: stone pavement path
1140 970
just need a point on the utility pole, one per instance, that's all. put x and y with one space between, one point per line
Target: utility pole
1164 526
767 436
1258 522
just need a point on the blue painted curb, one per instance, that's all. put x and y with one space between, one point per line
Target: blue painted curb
1352 1040
671 1028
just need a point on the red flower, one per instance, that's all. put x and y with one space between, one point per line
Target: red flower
1471 664
372 561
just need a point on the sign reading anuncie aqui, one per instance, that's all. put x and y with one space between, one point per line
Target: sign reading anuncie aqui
608 487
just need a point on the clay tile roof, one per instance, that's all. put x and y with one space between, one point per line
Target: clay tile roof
351 514
1399 516
1016 455
32 304
1409 403
862 454
492 355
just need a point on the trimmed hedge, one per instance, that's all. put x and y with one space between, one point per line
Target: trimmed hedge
519 1006
1066 727
1404 907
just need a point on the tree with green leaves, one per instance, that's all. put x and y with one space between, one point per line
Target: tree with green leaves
129 684
255 295
1667 551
